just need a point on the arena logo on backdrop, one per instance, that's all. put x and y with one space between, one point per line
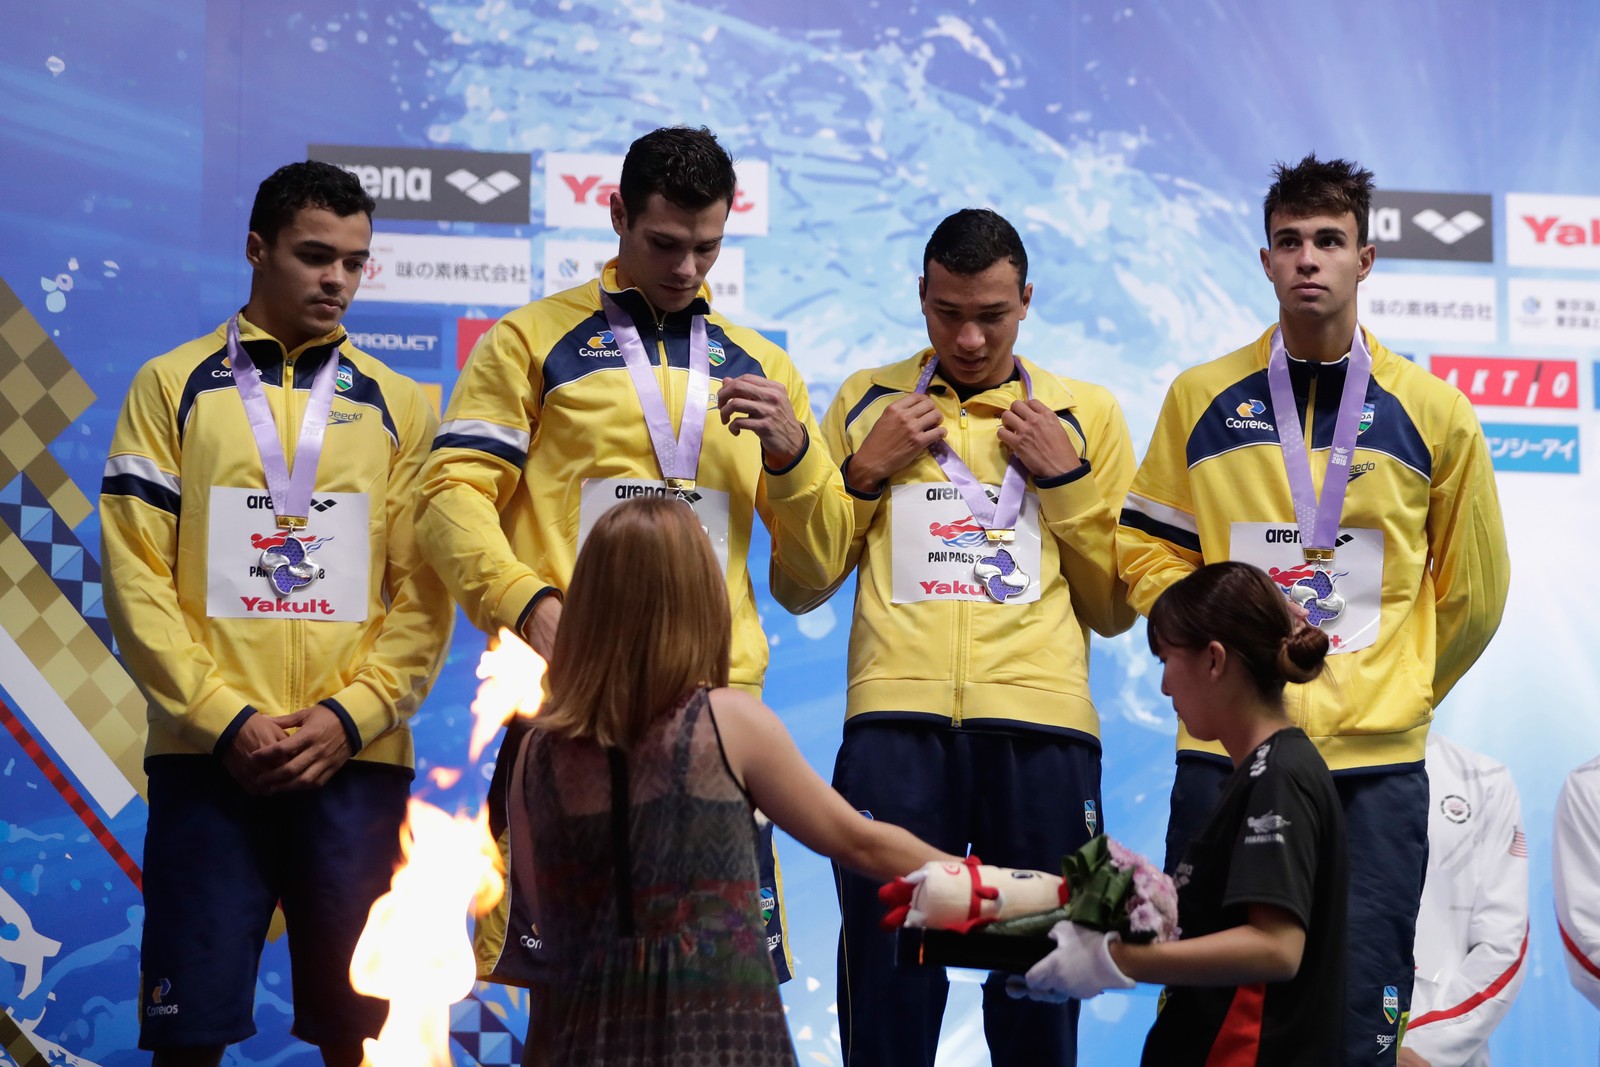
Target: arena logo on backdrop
438 184
578 188
1422 225
1552 231
1505 381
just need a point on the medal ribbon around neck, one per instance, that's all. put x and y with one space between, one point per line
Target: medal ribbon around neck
999 516
998 575
291 493
1318 519
678 457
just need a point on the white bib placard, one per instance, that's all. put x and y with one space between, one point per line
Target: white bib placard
600 495
1345 598
243 527
939 552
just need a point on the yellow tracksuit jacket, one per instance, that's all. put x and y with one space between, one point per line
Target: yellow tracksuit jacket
1421 475
974 662
183 431
546 402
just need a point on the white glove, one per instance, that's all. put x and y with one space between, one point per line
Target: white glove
1079 967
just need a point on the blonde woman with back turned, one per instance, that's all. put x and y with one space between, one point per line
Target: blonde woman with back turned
633 799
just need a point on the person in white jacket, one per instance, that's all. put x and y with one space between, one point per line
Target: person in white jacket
1472 930
1576 850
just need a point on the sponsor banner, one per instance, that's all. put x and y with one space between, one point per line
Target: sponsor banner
1453 226
437 184
726 280
414 268
938 552
249 561
1443 307
1502 381
600 495
397 340
468 331
568 263
1344 598
1532 448
1552 231
1552 312
578 188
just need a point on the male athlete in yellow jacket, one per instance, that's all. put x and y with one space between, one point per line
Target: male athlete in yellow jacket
1410 584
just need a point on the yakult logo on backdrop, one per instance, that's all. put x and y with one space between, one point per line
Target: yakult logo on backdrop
1497 381
442 184
1552 231
578 188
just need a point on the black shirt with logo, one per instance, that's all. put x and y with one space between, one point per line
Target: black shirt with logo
1276 837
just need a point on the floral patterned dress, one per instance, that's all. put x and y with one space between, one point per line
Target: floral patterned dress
645 866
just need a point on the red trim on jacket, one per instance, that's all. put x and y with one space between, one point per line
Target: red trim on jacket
1488 993
1577 953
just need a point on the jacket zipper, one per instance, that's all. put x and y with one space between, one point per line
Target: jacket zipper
963 616
665 374
294 635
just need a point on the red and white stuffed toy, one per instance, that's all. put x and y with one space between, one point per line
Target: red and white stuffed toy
960 896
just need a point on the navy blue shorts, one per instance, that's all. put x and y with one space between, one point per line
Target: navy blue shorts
217 860
1386 823
1018 799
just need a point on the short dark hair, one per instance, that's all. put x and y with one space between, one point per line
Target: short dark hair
1239 607
1320 187
973 240
685 165
296 186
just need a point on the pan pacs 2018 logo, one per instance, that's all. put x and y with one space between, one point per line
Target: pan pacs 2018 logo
962 533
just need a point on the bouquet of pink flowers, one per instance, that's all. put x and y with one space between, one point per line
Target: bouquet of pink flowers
995 918
1109 888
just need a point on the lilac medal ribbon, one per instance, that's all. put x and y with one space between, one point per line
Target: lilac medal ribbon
285 565
679 457
1318 519
997 517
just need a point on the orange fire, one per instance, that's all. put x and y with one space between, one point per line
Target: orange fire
415 951
513 684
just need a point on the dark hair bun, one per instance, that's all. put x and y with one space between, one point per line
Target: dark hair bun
1303 652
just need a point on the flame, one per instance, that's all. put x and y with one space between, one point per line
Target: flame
513 684
414 951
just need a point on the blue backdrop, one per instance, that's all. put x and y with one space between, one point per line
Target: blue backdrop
1130 143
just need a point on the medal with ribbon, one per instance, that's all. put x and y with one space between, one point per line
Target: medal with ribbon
1318 519
284 557
998 573
678 457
